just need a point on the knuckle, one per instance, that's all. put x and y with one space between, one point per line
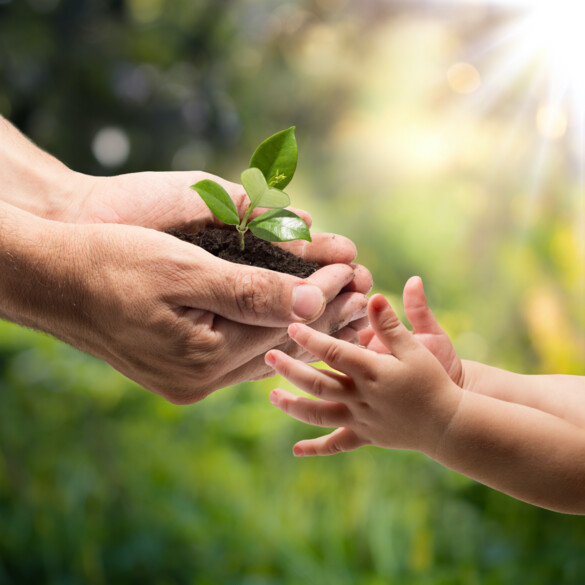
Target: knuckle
334 447
317 387
187 393
253 291
391 322
202 349
332 354
207 372
315 418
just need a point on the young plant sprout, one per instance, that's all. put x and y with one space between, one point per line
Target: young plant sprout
272 167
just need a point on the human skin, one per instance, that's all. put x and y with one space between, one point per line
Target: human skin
83 258
521 435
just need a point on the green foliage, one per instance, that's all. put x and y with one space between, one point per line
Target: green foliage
280 225
276 157
104 483
271 169
261 195
218 200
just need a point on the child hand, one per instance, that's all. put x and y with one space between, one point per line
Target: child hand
404 400
425 329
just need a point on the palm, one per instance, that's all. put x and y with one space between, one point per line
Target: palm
441 347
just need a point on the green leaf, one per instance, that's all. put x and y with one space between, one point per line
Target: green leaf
218 200
255 184
277 157
274 198
280 225
261 195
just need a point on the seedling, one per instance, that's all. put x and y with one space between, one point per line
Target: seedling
272 167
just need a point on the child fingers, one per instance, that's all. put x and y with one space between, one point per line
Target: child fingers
417 309
366 335
312 380
369 340
388 327
314 412
340 355
339 441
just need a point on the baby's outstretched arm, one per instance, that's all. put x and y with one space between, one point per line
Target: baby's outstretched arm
406 400
561 395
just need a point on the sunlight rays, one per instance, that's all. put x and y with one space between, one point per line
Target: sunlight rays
529 58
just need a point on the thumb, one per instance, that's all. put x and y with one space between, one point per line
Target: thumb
253 296
388 327
416 308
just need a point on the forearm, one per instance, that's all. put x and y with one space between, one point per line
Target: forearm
560 395
35 181
38 270
526 453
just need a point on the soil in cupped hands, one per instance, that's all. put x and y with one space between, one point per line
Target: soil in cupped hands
225 244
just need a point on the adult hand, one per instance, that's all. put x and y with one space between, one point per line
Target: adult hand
163 200
41 185
167 314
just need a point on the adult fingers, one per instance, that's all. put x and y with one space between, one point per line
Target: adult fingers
314 412
340 440
244 346
388 327
331 279
362 281
340 312
256 368
324 249
417 309
256 296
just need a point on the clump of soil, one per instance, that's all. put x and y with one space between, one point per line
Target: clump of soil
225 244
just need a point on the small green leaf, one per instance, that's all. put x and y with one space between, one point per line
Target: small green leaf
255 184
261 195
274 198
277 157
218 200
280 225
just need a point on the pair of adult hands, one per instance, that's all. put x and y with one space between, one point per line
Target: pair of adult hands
177 320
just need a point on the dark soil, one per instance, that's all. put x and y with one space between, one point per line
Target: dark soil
225 244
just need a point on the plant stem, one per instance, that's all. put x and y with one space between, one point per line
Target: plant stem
242 232
243 227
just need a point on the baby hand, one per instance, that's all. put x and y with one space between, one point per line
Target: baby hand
425 329
403 399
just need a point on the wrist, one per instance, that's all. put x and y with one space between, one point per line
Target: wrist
442 419
35 181
38 265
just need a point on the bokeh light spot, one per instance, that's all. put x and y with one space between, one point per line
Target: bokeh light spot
145 11
111 146
463 78
551 121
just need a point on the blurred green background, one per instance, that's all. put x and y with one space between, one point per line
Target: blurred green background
406 148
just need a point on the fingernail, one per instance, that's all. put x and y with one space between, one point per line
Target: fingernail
298 451
308 300
274 397
270 359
